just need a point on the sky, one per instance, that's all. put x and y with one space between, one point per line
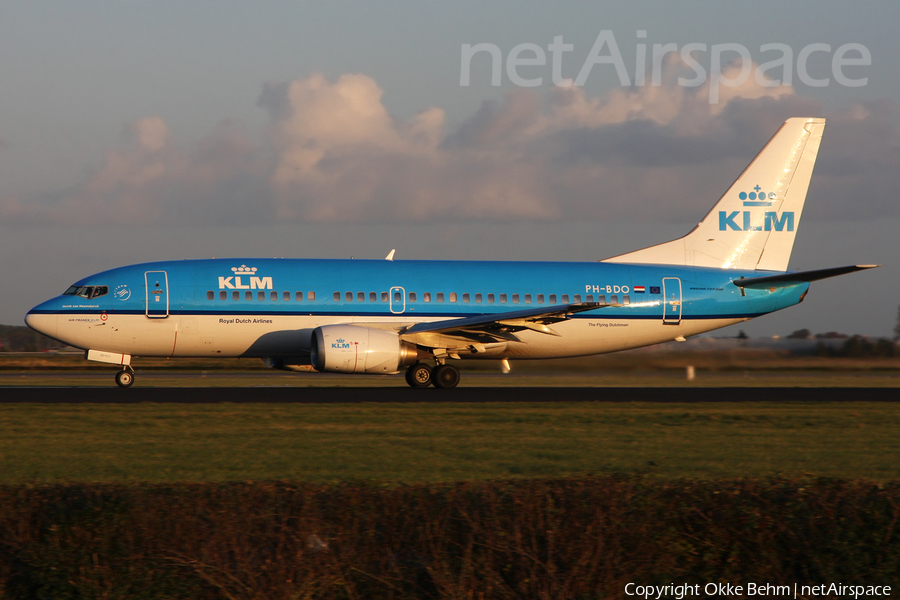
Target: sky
132 132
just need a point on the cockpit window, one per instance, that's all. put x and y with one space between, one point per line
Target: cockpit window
87 291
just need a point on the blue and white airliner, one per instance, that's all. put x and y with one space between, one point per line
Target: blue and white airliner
387 316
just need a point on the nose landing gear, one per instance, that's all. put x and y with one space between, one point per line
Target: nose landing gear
125 377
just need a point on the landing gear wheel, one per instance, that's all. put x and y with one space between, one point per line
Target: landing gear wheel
445 377
124 378
418 375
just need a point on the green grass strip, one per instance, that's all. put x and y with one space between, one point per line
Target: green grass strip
436 442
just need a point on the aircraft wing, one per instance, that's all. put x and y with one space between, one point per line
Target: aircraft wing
502 326
789 279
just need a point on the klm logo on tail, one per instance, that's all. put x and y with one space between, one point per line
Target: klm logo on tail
742 220
772 221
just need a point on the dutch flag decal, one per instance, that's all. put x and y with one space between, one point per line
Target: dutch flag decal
639 289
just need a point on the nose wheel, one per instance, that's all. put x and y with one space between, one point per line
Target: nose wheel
125 378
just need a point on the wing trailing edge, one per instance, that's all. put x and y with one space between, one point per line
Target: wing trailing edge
503 326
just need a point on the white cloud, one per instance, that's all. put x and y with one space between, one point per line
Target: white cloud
333 153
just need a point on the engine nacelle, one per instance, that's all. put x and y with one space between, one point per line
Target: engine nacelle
354 349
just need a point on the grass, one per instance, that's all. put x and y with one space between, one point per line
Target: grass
435 442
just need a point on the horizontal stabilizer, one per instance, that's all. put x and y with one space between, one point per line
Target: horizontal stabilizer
789 279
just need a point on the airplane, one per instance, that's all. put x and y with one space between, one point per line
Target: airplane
387 316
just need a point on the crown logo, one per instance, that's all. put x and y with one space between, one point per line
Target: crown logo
244 270
757 197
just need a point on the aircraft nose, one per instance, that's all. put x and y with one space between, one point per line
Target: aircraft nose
42 323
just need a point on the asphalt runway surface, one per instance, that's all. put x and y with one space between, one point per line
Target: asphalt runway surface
348 395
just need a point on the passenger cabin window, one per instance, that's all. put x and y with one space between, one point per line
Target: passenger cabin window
440 296
478 298
589 298
626 299
565 298
540 298
412 296
273 295
373 297
260 295
398 297
360 296
502 298
601 299
223 295
515 298
248 295
348 296
286 296
384 296
527 298
452 296
310 296
426 296
577 297
614 299
298 296
552 298
466 297
235 295
210 295
490 298
337 296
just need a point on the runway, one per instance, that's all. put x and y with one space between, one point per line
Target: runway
347 395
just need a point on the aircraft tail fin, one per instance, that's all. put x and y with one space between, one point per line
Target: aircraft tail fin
754 224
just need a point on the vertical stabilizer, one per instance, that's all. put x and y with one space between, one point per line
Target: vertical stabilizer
754 224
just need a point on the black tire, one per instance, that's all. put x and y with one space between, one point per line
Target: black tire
418 375
124 378
445 377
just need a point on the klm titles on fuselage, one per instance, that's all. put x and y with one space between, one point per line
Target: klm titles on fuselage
236 283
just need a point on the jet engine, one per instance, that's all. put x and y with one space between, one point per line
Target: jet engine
355 349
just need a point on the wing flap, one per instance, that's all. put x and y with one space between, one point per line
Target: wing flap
503 326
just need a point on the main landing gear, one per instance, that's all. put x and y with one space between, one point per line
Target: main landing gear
443 376
125 377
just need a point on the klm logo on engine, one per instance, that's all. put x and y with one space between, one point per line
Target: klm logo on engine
742 221
340 344
245 278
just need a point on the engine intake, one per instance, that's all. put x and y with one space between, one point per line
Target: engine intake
355 349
